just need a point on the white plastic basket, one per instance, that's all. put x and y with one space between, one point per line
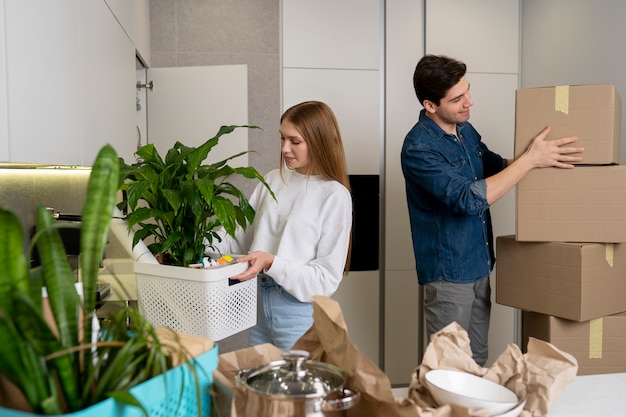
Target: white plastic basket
202 302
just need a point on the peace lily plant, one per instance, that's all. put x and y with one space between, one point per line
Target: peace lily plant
52 360
176 202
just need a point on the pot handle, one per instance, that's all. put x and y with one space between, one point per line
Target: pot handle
241 376
341 400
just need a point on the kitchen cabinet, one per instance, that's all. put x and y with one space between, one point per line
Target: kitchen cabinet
134 18
356 105
69 77
341 66
189 104
494 79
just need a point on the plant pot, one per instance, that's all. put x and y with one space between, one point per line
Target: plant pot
171 394
202 302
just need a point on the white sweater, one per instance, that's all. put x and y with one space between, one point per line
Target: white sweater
307 228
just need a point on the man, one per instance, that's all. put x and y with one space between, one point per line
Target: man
452 179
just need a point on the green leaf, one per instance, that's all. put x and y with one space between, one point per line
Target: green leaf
96 218
39 336
14 270
127 398
58 278
20 364
150 155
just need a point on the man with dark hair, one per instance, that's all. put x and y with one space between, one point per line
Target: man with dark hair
452 178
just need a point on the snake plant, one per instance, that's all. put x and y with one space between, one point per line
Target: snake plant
178 203
50 358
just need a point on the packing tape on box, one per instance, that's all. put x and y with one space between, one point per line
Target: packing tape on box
608 253
561 98
595 339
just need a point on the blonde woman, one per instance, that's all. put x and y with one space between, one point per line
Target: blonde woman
298 245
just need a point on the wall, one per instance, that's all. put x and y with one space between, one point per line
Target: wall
568 42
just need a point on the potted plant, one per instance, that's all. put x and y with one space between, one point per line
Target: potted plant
177 202
56 359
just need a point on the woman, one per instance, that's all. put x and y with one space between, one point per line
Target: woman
298 244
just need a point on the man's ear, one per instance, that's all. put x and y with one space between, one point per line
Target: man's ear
429 106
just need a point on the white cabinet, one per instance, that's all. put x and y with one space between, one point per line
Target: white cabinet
134 17
189 104
331 34
354 96
331 52
490 48
43 75
483 34
70 82
404 39
107 87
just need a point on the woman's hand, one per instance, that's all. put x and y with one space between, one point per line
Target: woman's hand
259 261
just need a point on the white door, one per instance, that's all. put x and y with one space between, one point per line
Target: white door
189 104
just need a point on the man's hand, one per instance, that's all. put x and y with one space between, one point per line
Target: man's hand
544 153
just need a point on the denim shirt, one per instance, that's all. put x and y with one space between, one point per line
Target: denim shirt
447 199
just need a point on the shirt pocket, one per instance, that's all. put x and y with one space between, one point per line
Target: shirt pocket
458 162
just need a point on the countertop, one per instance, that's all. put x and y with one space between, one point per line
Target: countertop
593 395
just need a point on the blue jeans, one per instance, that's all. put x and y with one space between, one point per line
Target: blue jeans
281 318
468 304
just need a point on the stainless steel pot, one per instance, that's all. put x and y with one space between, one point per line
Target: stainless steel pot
295 387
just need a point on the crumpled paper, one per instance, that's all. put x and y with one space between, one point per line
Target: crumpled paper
541 374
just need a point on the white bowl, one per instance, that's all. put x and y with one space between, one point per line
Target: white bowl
515 411
470 391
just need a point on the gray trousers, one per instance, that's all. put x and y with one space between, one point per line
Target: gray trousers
468 304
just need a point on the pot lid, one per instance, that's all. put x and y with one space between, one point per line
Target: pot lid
295 376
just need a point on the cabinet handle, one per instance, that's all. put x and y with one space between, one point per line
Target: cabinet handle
149 85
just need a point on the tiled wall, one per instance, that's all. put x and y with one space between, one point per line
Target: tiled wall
217 32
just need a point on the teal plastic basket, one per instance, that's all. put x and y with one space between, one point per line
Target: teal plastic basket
172 394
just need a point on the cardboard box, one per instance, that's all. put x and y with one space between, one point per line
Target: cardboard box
584 204
576 281
598 345
591 112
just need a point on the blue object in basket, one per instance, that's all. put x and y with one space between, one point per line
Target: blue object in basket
172 394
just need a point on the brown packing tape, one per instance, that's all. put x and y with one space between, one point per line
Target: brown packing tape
561 98
595 338
609 249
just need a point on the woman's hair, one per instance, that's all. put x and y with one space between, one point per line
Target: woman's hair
318 126
434 75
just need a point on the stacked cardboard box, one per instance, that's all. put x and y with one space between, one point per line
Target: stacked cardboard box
566 265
